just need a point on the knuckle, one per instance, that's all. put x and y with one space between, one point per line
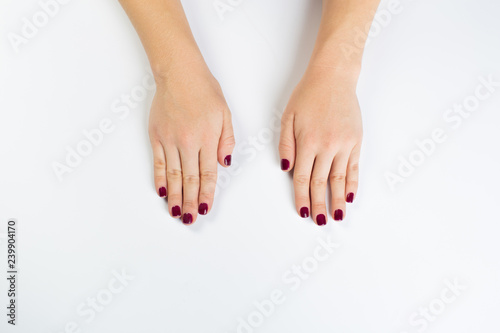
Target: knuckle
159 164
286 118
318 182
286 145
174 174
174 198
331 144
338 203
308 140
354 167
153 133
301 180
337 177
352 183
188 203
207 194
188 140
318 206
209 177
191 179
229 141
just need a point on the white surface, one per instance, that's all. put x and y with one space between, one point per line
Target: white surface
396 247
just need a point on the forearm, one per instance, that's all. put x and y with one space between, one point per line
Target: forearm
339 29
165 34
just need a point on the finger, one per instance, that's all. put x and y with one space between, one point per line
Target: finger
160 168
319 182
174 181
287 142
208 179
337 185
190 184
301 179
352 176
226 141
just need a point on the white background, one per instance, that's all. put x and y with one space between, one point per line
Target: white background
397 247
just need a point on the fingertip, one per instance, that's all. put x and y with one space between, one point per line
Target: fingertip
285 164
338 215
203 209
304 212
187 218
321 219
176 211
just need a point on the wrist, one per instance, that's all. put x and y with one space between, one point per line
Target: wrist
332 55
333 74
173 69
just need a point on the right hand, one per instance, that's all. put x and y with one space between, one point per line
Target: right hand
190 130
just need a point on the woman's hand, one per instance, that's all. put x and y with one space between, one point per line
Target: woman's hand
190 130
321 133
190 123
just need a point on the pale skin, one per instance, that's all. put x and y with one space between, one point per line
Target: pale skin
190 124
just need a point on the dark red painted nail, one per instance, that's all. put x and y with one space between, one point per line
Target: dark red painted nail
321 219
350 197
187 218
163 192
304 212
285 164
176 211
203 209
338 215
227 160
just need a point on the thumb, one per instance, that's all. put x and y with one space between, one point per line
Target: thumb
287 142
226 141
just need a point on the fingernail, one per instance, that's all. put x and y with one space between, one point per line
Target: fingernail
163 192
227 160
203 209
187 218
285 164
338 215
350 197
304 212
321 219
176 211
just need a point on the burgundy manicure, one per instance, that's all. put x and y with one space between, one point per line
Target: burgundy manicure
350 197
338 215
203 209
227 160
304 212
187 218
321 219
176 211
285 164
163 192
